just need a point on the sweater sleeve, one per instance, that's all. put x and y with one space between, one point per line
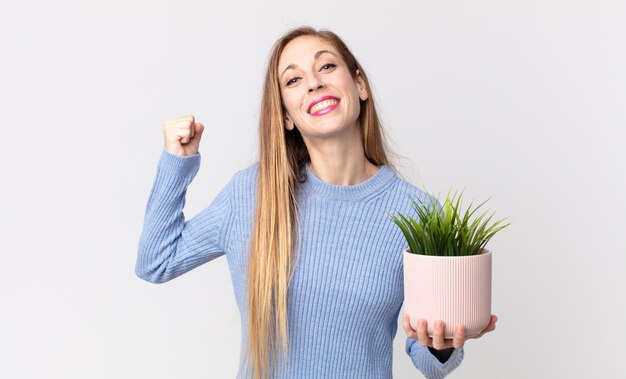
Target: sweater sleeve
428 364
169 246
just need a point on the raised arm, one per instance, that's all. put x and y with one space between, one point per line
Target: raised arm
169 246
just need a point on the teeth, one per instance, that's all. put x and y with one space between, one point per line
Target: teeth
323 104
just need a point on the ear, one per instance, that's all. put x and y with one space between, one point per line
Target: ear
363 94
288 122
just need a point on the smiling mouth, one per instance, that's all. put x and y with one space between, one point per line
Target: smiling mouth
324 107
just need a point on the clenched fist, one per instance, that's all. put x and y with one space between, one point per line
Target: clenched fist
182 135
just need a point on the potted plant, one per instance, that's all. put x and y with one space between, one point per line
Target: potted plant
447 269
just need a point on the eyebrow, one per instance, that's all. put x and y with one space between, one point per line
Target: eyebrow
317 55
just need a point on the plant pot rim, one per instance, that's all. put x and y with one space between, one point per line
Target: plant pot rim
485 252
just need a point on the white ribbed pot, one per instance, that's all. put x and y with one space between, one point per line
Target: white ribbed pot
456 290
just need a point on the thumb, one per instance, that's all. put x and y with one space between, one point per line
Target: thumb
198 128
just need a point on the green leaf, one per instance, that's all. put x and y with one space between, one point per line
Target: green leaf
444 229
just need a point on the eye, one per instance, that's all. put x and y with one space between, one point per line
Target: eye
290 81
329 65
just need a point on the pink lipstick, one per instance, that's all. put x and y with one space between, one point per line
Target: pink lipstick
323 105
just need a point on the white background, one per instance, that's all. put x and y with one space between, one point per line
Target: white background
522 101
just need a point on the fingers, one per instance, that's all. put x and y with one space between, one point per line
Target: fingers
186 130
422 333
183 128
489 328
407 327
439 341
182 135
492 324
198 128
459 337
191 121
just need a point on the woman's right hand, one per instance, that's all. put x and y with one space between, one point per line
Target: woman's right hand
182 135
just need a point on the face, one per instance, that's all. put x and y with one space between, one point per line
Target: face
319 95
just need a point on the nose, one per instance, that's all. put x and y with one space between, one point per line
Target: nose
316 84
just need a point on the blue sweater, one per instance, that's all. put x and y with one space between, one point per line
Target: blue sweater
347 290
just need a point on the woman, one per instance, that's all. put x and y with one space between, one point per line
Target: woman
316 264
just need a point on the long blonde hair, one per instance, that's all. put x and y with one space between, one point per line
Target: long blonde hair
275 234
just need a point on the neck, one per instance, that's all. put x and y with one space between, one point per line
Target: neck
340 159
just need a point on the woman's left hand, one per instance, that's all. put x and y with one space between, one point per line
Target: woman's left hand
438 342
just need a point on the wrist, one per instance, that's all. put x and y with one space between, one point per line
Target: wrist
441 355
